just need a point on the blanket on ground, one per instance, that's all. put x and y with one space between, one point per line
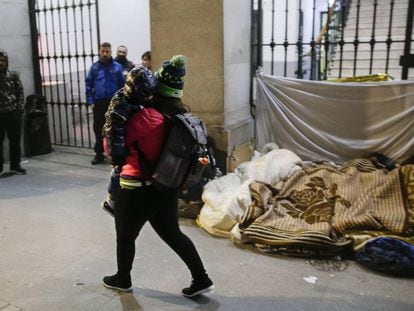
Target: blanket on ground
323 206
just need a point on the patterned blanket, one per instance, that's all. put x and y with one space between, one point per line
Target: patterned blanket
323 207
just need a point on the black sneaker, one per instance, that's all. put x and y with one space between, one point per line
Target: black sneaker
17 170
114 282
98 159
198 287
107 207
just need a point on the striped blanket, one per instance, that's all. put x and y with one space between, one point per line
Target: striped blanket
322 206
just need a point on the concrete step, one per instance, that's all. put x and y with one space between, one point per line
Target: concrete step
380 31
379 51
365 48
365 63
369 11
349 72
366 55
384 23
382 5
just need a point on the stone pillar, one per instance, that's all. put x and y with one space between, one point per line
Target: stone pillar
215 37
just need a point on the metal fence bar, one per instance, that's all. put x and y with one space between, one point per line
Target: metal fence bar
83 55
92 56
285 43
327 41
299 72
76 56
259 34
55 58
272 39
372 41
389 39
62 58
48 57
312 43
356 41
71 78
342 41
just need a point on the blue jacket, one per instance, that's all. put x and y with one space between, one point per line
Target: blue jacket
103 81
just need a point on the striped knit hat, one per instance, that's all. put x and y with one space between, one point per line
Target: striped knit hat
139 83
171 77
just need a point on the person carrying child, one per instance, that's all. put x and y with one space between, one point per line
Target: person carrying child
138 200
136 94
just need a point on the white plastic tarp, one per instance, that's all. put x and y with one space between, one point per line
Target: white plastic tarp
336 121
225 198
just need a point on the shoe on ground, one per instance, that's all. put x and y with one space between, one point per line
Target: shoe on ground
198 287
98 159
115 282
17 170
108 207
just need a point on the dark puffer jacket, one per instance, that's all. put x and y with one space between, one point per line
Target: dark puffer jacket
11 90
139 85
119 110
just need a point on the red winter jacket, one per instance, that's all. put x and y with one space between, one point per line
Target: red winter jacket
148 128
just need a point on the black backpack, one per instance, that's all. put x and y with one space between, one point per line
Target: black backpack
184 156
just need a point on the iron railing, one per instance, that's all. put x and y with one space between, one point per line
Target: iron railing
324 39
65 38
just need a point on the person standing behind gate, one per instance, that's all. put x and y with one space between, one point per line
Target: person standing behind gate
11 111
146 60
104 78
121 57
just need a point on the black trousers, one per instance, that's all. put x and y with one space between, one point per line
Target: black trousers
132 209
11 124
99 110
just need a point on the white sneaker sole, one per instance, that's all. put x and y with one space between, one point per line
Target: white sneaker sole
124 290
201 291
17 172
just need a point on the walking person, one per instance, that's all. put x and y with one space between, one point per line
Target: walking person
138 201
11 111
121 57
104 78
139 87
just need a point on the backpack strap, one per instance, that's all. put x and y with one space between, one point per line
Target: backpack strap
195 126
144 165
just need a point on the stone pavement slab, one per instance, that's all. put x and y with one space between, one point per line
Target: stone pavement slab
56 244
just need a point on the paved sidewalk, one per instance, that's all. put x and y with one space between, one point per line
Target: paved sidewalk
56 245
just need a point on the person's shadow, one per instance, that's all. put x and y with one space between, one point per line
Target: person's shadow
7 174
130 303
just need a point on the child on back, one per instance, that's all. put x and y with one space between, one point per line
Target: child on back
139 87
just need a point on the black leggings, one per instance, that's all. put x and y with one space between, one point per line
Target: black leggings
132 209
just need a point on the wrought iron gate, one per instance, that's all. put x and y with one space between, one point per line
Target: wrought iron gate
323 39
65 39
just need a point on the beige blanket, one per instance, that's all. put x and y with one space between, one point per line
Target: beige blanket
317 207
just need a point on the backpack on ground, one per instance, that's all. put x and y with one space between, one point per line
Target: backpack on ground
185 154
